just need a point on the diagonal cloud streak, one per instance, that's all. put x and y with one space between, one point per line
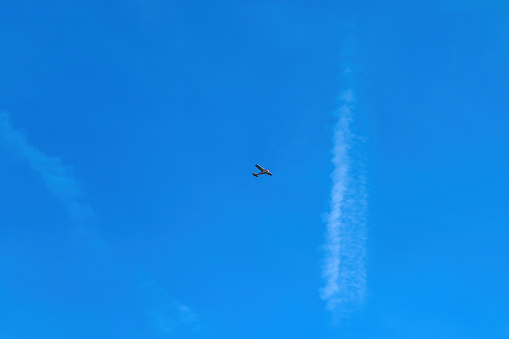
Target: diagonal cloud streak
168 315
58 178
344 270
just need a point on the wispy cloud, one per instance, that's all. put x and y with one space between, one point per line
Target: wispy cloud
168 315
344 270
58 178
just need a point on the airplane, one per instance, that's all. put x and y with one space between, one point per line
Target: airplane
263 171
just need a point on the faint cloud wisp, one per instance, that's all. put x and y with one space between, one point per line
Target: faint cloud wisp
58 178
167 314
344 270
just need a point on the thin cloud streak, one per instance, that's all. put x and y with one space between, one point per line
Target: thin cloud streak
168 315
344 270
58 178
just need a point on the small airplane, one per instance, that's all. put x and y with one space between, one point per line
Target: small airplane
263 171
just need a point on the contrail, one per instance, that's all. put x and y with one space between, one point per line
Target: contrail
58 178
344 269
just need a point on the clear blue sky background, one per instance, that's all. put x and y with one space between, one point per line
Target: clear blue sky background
162 108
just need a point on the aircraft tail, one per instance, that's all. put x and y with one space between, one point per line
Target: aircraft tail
256 175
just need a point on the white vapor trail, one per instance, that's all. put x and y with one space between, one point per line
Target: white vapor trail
344 269
58 178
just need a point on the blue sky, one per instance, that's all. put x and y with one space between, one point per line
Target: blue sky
129 131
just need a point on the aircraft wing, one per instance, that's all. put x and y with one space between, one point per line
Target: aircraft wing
260 167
